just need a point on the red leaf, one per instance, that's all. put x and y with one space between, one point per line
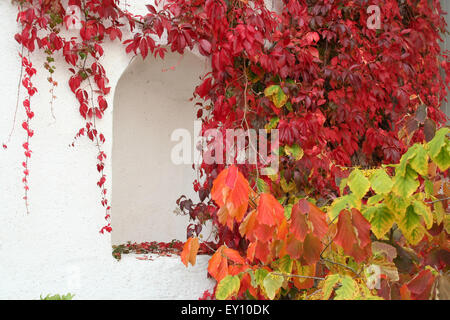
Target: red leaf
318 220
362 226
205 45
420 285
345 236
299 225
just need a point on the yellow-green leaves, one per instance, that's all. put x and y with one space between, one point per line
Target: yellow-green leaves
348 289
227 287
420 161
381 182
345 202
276 95
329 284
272 283
358 183
285 264
422 209
381 219
439 149
399 199
405 186
295 151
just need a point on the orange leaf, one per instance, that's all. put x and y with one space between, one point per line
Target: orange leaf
294 248
304 283
270 211
246 227
299 224
263 232
218 265
231 190
233 255
311 249
282 230
251 251
190 250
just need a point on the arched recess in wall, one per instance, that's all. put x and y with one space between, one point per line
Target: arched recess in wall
151 101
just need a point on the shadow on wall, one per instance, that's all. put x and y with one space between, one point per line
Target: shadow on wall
150 102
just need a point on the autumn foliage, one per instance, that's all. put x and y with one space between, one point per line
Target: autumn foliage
362 178
389 240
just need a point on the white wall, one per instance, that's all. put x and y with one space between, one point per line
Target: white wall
150 103
57 248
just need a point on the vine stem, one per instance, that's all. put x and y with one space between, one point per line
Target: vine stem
438 200
297 276
18 94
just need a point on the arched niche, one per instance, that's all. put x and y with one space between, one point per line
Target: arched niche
151 101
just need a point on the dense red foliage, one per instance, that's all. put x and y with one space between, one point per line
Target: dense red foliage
350 90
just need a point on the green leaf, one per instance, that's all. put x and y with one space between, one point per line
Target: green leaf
273 123
423 210
406 185
272 283
339 204
288 211
294 151
396 204
358 183
443 158
227 287
438 142
420 161
405 159
439 149
416 235
429 188
381 182
329 284
342 185
67 296
348 289
260 275
262 186
380 218
375 199
285 264
276 95
410 225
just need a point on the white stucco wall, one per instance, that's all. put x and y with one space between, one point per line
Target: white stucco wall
57 248
152 100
